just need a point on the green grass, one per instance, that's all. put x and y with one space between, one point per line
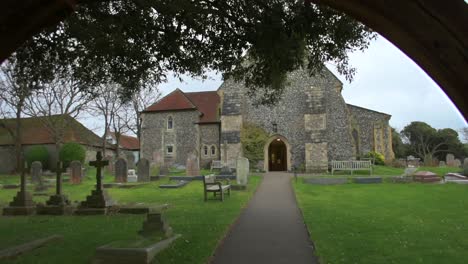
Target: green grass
202 224
386 223
392 171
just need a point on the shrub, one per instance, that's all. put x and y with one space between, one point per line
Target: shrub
70 152
378 158
37 153
253 141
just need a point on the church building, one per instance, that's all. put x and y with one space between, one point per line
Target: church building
310 126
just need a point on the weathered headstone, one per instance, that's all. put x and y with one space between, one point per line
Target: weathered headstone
457 163
158 158
121 170
242 170
131 161
76 171
450 158
143 170
22 203
465 163
36 171
163 170
58 204
441 163
192 168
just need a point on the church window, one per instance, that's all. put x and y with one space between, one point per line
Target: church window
205 150
275 128
213 150
170 123
170 150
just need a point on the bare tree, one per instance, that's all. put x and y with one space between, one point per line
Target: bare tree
15 87
55 104
139 102
120 123
106 104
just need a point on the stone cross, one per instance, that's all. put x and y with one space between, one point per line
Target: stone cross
99 163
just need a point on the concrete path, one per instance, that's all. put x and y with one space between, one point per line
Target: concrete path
270 229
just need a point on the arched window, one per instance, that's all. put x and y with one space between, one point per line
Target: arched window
205 150
213 150
170 123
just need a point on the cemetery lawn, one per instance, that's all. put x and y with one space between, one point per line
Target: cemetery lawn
202 224
383 171
386 223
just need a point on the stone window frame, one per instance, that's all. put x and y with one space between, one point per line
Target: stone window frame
167 150
205 150
213 147
170 120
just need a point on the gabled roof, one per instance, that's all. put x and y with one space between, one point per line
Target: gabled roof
34 131
369 110
128 142
173 101
205 102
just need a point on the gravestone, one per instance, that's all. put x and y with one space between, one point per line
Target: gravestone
76 171
110 168
441 163
58 204
22 203
157 158
449 160
163 170
465 163
143 170
191 167
99 201
36 171
242 170
457 163
132 176
131 161
409 171
121 170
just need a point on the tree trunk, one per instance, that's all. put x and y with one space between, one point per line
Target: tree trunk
104 138
117 140
428 159
18 138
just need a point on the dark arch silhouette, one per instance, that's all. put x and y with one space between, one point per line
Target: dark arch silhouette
431 32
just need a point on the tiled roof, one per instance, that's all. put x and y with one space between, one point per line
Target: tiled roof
128 142
34 132
205 102
173 101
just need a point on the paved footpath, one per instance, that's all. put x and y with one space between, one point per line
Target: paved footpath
270 229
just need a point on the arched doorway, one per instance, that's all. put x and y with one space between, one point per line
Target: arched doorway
277 154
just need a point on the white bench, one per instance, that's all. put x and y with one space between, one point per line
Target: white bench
351 165
211 185
216 164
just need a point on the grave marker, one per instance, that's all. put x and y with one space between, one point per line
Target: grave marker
192 168
450 158
121 170
76 171
143 170
36 171
242 170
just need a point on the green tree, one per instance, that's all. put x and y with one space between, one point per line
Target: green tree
253 141
71 151
137 43
399 148
428 142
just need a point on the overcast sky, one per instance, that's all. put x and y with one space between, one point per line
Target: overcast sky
386 81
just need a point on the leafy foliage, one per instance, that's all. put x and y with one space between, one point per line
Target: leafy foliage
377 157
399 148
71 151
427 142
253 141
37 153
137 43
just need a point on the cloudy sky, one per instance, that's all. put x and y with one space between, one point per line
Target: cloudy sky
386 81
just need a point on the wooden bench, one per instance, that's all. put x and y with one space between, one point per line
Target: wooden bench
216 164
211 185
351 165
